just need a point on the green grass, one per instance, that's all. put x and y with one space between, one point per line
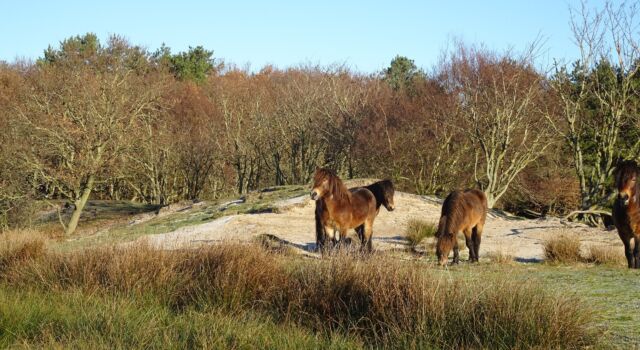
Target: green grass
111 315
611 292
377 302
75 319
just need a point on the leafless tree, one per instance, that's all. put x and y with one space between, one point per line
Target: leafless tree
499 108
597 97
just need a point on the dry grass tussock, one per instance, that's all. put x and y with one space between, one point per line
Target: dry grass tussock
500 257
564 248
567 248
417 230
381 302
606 255
19 246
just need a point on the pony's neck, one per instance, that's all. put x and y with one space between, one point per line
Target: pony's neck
338 198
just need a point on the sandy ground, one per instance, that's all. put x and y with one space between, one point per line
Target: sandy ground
520 238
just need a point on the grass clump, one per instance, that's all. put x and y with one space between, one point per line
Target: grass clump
380 303
606 255
417 230
19 246
72 319
500 257
564 248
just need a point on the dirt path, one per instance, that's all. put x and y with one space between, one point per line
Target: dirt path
294 223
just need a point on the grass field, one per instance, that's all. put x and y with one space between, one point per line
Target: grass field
231 296
88 293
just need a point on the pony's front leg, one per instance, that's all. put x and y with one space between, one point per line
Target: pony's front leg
628 253
341 236
456 251
330 239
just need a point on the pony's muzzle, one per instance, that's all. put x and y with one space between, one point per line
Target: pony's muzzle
624 197
314 195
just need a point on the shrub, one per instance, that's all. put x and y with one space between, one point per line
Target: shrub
417 230
608 255
563 248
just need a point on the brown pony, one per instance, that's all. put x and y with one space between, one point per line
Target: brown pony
463 212
626 210
343 209
383 191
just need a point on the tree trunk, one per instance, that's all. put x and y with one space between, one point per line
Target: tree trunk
79 206
491 201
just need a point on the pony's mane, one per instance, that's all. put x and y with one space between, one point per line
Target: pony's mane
452 211
336 186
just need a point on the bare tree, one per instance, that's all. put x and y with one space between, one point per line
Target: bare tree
78 113
597 97
499 108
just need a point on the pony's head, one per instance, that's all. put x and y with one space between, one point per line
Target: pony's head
388 190
626 175
443 248
325 184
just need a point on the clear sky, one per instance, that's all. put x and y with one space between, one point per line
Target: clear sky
365 35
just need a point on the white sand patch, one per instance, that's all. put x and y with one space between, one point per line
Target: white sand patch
294 223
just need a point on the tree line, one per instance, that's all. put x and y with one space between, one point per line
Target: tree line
115 121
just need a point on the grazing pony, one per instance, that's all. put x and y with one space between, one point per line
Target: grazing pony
626 210
463 212
383 191
341 209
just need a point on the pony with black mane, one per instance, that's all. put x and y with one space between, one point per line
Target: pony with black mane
342 209
626 210
383 191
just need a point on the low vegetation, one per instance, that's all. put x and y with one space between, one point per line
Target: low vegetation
369 302
500 257
418 230
564 248
606 255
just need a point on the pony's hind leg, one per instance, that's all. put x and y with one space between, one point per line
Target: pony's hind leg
367 235
476 237
469 242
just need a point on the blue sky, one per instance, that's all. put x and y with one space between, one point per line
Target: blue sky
365 35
